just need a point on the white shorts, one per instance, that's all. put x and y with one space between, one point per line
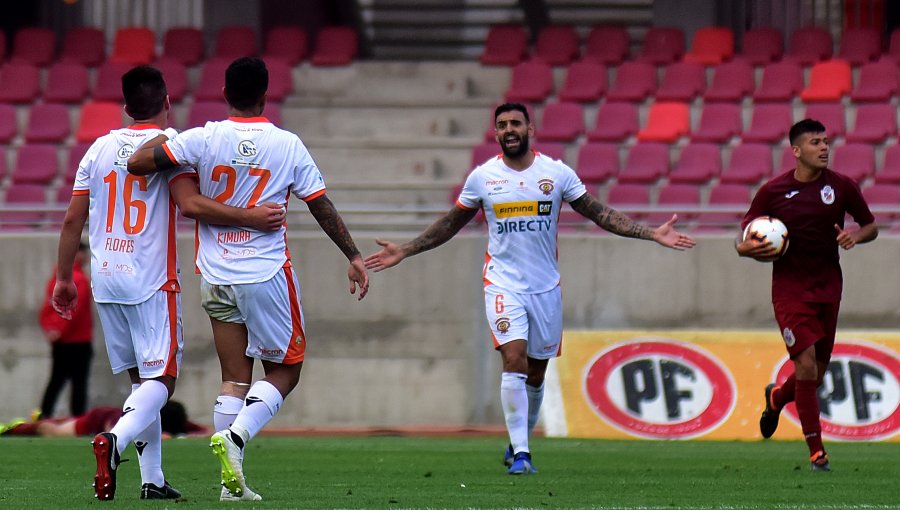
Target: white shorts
270 310
535 318
147 335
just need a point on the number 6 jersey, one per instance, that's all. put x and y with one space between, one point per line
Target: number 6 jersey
243 162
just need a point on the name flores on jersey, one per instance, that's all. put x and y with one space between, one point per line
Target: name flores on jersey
508 210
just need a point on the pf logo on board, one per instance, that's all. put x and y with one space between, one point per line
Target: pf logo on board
859 399
660 389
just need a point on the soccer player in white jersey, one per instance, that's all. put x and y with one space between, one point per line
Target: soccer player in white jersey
521 192
249 288
134 273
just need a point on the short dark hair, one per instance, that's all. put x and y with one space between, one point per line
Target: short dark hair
803 127
145 92
510 107
246 81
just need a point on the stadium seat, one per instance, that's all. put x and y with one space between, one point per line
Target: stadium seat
724 195
9 127
607 44
2 161
531 82
19 83
505 45
2 45
662 45
176 78
646 163
212 80
235 41
67 82
554 150
769 123
335 46
47 123
788 160
719 122
109 81
882 196
557 45
97 119
597 162
711 46
666 122
855 160
809 45
273 113
781 81
585 82
732 82
288 43
828 81
877 82
73 159
202 112
561 122
33 45
749 163
134 46
890 170
483 152
85 45
184 44
682 81
615 122
894 45
697 164
860 45
281 81
35 164
635 81
63 195
24 195
675 196
625 196
762 46
875 122
829 114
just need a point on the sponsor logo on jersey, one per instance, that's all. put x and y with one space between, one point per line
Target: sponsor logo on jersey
502 325
122 155
659 389
859 399
827 193
529 208
246 148
546 185
496 182
791 194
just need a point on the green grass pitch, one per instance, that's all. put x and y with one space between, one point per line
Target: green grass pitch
427 472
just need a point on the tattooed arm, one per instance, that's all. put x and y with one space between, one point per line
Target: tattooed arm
332 224
620 224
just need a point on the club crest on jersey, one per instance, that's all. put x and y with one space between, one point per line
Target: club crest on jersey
246 148
502 325
827 193
546 185
789 338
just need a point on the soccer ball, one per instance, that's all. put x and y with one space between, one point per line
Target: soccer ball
771 229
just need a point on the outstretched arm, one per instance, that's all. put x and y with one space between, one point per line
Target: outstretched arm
620 224
437 234
331 222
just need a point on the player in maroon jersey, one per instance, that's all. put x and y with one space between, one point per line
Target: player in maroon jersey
812 201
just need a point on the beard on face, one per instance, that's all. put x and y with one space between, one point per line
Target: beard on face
517 152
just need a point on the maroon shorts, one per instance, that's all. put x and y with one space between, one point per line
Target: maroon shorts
97 420
803 324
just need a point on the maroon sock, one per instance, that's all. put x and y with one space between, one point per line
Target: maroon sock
784 394
25 429
808 408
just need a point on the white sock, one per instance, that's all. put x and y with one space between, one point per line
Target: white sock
514 400
535 397
225 410
149 447
141 409
261 405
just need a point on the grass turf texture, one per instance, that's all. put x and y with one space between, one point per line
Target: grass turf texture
420 472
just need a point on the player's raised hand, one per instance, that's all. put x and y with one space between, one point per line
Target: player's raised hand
667 236
359 277
390 255
64 298
845 239
267 216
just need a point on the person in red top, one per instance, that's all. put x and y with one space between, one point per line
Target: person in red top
71 342
807 282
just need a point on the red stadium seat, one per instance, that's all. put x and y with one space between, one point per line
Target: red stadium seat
769 123
781 81
97 119
788 160
532 81
855 160
697 164
890 170
287 43
828 81
73 159
281 81
881 195
629 196
635 81
877 82
8 127
829 114
662 45
615 122
682 81
561 122
724 195
2 45
711 46
762 46
235 41
875 122
749 163
67 82
646 163
19 83
202 112
860 45
24 195
184 44
557 45
554 150
585 82
809 45
719 122
732 82
176 78
273 113
666 122
598 162
335 46
35 164
85 45
483 152
134 46
675 196
212 80
109 81
2 162
607 44
47 123
505 45
33 45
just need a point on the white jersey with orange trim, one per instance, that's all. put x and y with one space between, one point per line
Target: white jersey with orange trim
522 213
131 220
243 162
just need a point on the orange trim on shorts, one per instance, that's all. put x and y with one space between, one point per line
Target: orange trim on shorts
297 345
171 360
